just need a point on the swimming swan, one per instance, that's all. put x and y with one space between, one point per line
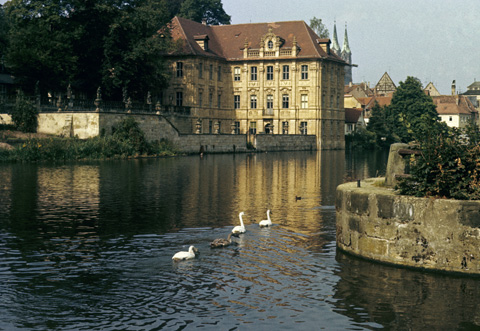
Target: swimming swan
239 228
266 222
222 242
192 252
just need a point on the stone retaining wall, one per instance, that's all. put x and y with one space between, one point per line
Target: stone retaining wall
436 234
91 124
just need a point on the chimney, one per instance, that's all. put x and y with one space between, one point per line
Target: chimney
453 87
204 21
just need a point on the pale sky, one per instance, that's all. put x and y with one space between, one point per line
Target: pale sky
434 40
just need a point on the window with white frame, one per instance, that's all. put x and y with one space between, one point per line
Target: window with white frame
286 72
236 101
304 101
253 101
303 128
285 101
253 73
179 67
269 72
236 74
269 101
304 72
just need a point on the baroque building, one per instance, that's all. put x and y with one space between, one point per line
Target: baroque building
260 78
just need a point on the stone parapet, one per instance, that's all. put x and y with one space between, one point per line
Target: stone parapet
374 222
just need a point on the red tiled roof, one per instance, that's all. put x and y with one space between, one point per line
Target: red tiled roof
228 41
352 115
447 105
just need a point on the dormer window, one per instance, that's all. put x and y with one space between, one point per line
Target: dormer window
270 44
202 41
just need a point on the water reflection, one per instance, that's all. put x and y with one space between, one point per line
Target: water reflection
89 247
402 299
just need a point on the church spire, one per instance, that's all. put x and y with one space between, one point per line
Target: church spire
346 47
335 46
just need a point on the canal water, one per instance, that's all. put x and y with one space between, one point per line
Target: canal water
89 246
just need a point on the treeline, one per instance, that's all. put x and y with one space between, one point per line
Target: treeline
84 44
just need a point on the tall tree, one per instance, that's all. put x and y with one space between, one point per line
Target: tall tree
320 29
413 110
210 10
40 48
133 46
3 36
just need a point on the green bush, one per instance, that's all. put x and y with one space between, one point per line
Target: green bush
448 167
24 114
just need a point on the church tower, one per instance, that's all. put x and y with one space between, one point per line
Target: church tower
346 55
335 47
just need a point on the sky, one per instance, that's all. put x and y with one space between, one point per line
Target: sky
433 40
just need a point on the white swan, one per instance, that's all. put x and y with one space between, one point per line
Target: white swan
266 222
192 251
239 228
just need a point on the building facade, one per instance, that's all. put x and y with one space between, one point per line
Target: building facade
263 78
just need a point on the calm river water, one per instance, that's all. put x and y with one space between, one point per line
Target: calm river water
88 247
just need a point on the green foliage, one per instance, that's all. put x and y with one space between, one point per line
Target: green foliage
128 131
210 10
132 46
381 126
62 149
320 29
361 138
413 110
24 114
88 43
449 166
409 117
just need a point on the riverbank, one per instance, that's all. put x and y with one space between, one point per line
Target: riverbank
16 146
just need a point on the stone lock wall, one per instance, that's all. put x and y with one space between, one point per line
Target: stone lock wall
435 234
91 124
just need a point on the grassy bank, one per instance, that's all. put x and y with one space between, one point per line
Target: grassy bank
98 148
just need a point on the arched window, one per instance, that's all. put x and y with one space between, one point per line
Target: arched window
270 44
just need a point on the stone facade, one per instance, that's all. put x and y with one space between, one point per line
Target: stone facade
275 78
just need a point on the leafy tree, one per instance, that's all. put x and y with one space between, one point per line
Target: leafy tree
378 124
132 47
413 112
210 10
320 29
3 35
39 46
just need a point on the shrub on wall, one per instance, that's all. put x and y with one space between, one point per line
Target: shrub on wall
24 114
449 164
